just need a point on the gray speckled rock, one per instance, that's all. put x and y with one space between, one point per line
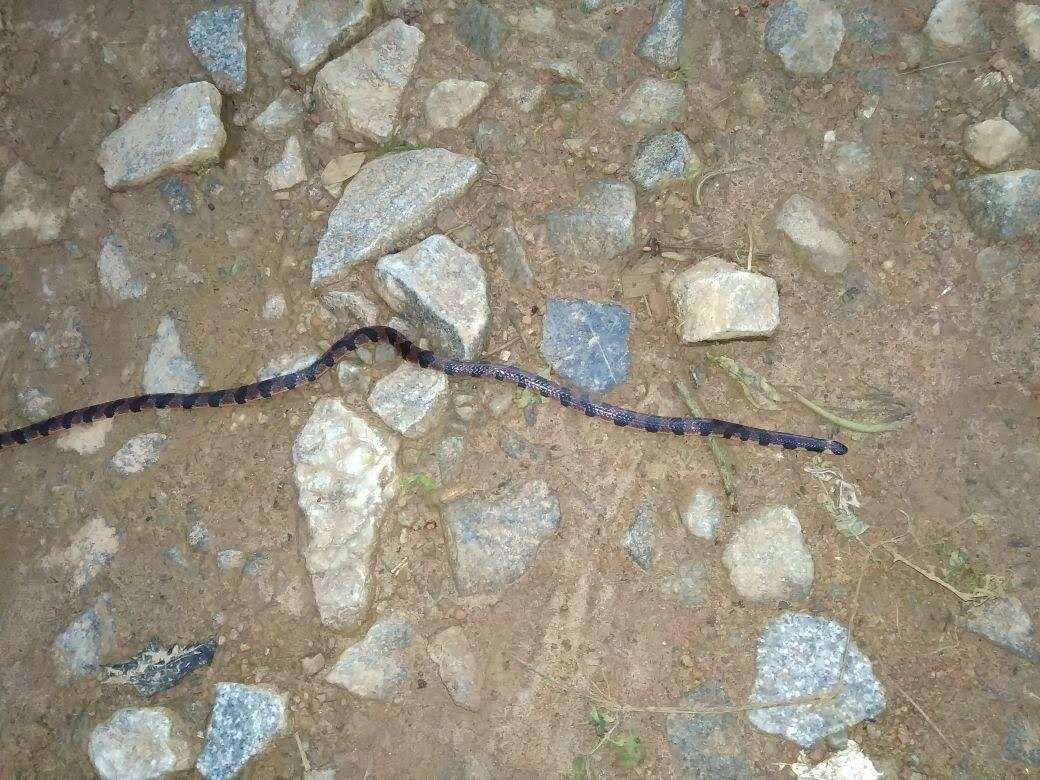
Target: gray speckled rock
767 557
810 234
390 199
410 399
441 289
458 667
805 34
493 540
715 301
1003 205
702 514
29 208
362 89
176 130
638 540
1022 740
376 667
652 103
244 720
1005 622
115 270
35 402
78 649
688 583
661 43
290 170
217 38
707 747
345 476
481 28
141 744
956 24
663 159
452 101
598 227
138 453
167 370
281 117
305 31
799 655
586 343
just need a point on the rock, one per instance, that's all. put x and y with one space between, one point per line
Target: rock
362 89
688 583
410 400
281 117
90 550
114 265
598 227
707 746
341 168
989 143
389 200
78 649
519 448
403 9
217 38
481 28
638 540
138 453
345 475
957 24
586 343
177 130
800 655
443 290
141 744
1003 205
351 304
805 34
995 262
86 439
285 364
537 21
661 43
1022 741
28 208
852 162
1005 622
452 101
244 720
702 514
1027 25
230 559
663 159
767 557
512 259
62 340
810 234
176 196
157 668
313 664
305 31
716 301
848 763
167 370
376 667
274 307
458 666
493 540
652 103
35 403
521 93
290 170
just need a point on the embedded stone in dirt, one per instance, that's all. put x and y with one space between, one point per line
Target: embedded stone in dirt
290 170
115 270
638 540
1005 622
661 43
281 116
29 208
244 720
305 31
715 301
1003 205
652 103
702 514
707 746
458 667
217 38
167 370
78 649
90 550
810 234
586 342
805 34
141 744
377 666
767 557
452 101
957 24
992 141
481 28
688 583
598 226
410 399
138 453
663 159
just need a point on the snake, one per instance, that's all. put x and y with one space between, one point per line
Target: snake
424 358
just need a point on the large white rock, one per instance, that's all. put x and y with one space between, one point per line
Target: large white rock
1027 25
345 476
767 557
305 31
141 744
362 90
715 301
179 129
281 116
956 23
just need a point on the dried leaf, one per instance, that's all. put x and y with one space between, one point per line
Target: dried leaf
758 391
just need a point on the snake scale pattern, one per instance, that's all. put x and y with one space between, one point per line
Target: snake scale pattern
425 359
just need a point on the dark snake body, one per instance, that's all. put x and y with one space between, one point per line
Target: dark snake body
425 359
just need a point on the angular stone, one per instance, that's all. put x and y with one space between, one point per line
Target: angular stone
244 720
493 540
715 301
177 130
115 270
707 746
138 453
28 207
810 234
767 557
511 257
452 101
652 103
286 363
90 550
688 583
1027 25
306 31
410 400
442 290
86 439
78 649
800 655
481 28
362 89
36 404
992 141
141 744
352 305
522 94
217 38
1003 205
167 370
157 668
957 24
376 667
663 159
341 168
290 170
586 343
638 540
281 117
805 34
458 667
345 475
390 199
702 514
598 227
1005 622
660 44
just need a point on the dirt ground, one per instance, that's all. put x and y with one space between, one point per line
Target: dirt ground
911 316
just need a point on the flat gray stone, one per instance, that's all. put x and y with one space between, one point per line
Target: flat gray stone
77 650
377 666
800 655
138 453
361 91
510 255
177 130
707 747
458 667
652 103
661 43
811 235
805 34
586 342
389 200
410 400
1005 622
1003 205
767 557
305 31
481 28
442 290
115 266
597 227
638 540
217 37
702 514
141 744
717 301
493 540
167 369
663 159
956 24
281 117
243 722
452 101
29 209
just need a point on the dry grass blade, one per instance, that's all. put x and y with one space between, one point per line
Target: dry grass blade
756 389
841 422
976 595
729 478
707 176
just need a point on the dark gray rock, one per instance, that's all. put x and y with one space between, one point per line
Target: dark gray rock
1003 205
805 34
245 718
375 667
586 342
176 196
1022 741
481 28
660 44
638 540
1005 622
663 159
707 747
598 227
156 668
217 38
